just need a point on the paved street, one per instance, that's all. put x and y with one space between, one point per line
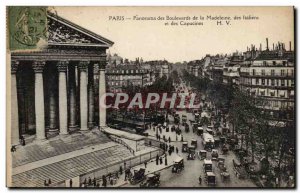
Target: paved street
194 168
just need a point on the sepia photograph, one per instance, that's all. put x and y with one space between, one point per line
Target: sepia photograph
132 97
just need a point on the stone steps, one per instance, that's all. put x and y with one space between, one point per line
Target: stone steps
34 152
67 169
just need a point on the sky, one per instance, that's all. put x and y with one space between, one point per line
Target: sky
153 40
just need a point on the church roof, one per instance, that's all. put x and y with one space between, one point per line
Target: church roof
64 32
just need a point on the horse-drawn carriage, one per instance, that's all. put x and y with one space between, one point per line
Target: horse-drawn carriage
199 131
224 173
239 170
178 165
214 154
138 176
210 178
203 154
152 180
184 147
207 165
191 152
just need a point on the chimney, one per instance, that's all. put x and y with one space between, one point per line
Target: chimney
267 41
260 47
290 46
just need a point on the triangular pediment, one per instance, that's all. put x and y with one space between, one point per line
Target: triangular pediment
64 32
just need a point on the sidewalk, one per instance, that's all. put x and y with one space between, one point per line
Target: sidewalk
151 168
122 134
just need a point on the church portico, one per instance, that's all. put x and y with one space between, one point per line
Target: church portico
53 90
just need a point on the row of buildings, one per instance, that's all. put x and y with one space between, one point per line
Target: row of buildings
268 73
122 73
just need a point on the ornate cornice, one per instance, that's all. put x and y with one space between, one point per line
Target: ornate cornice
14 66
38 66
62 66
102 65
83 65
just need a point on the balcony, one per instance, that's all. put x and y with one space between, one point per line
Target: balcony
274 75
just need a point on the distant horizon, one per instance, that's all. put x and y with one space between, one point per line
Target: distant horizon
151 40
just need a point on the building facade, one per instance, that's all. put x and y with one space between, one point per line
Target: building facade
127 75
52 89
271 76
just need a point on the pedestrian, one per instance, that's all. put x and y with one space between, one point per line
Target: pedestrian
158 137
160 160
90 181
71 183
170 152
104 181
181 137
124 165
177 150
200 180
145 164
164 138
109 175
49 181
121 170
84 181
23 142
94 182
13 148
169 139
45 183
166 161
98 185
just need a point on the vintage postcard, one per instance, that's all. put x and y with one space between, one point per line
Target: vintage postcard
150 97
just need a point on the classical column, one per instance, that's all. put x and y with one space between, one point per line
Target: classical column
72 90
15 133
102 91
52 105
38 67
83 95
91 95
62 97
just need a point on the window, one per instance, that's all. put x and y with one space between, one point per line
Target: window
277 82
272 93
264 63
263 72
275 103
267 81
253 72
282 72
292 72
272 82
263 82
282 82
284 63
292 83
272 72
274 63
257 81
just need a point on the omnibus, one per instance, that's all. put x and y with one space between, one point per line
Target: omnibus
208 141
